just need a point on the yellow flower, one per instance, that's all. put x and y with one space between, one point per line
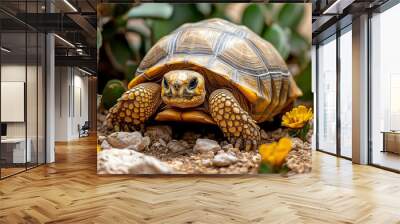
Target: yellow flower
98 148
275 153
297 117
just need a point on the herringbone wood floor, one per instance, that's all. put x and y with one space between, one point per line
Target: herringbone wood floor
69 191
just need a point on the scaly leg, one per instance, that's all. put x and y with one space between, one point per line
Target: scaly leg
134 107
237 125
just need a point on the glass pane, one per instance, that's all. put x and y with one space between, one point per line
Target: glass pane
346 94
327 97
32 96
385 83
13 86
41 99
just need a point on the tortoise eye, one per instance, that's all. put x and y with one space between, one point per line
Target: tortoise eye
193 83
165 83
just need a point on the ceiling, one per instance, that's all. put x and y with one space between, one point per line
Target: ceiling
332 15
72 20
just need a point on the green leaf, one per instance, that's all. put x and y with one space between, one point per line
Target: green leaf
112 92
264 168
120 9
279 37
130 71
293 132
298 44
290 15
253 18
204 8
147 45
183 13
134 40
219 11
284 169
151 10
99 39
109 30
138 26
118 51
303 81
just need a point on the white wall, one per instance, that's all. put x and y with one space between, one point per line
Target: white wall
12 73
71 102
34 125
61 103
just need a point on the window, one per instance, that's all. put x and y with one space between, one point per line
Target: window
327 96
346 93
385 89
22 76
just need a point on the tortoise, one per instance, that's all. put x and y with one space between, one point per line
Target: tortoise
212 72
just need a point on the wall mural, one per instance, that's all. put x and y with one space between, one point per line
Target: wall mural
204 88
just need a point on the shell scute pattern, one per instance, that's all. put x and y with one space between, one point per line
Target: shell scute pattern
244 61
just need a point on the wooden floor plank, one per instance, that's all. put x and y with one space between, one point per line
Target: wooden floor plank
69 191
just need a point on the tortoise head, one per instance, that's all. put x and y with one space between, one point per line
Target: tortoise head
183 88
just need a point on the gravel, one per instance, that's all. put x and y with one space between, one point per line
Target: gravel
191 152
206 145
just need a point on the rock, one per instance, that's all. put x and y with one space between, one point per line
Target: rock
129 140
243 170
299 159
278 134
234 150
145 143
190 136
206 145
207 155
159 145
162 142
126 161
185 144
256 158
177 164
101 138
157 132
105 145
206 162
177 146
224 143
224 159
227 147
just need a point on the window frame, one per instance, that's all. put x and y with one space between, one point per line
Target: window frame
337 35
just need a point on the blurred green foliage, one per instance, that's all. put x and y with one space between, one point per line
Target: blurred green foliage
127 31
113 90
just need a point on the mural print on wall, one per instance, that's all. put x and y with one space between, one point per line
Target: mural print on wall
204 88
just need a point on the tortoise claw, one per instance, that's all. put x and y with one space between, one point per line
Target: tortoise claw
238 143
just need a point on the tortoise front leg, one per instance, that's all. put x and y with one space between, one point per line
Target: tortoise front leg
134 107
236 124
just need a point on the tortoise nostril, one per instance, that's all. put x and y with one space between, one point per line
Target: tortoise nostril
176 86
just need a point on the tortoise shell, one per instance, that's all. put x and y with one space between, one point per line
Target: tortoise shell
229 56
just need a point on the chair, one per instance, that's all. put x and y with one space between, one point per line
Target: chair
84 130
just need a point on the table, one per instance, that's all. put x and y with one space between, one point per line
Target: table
391 141
16 148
